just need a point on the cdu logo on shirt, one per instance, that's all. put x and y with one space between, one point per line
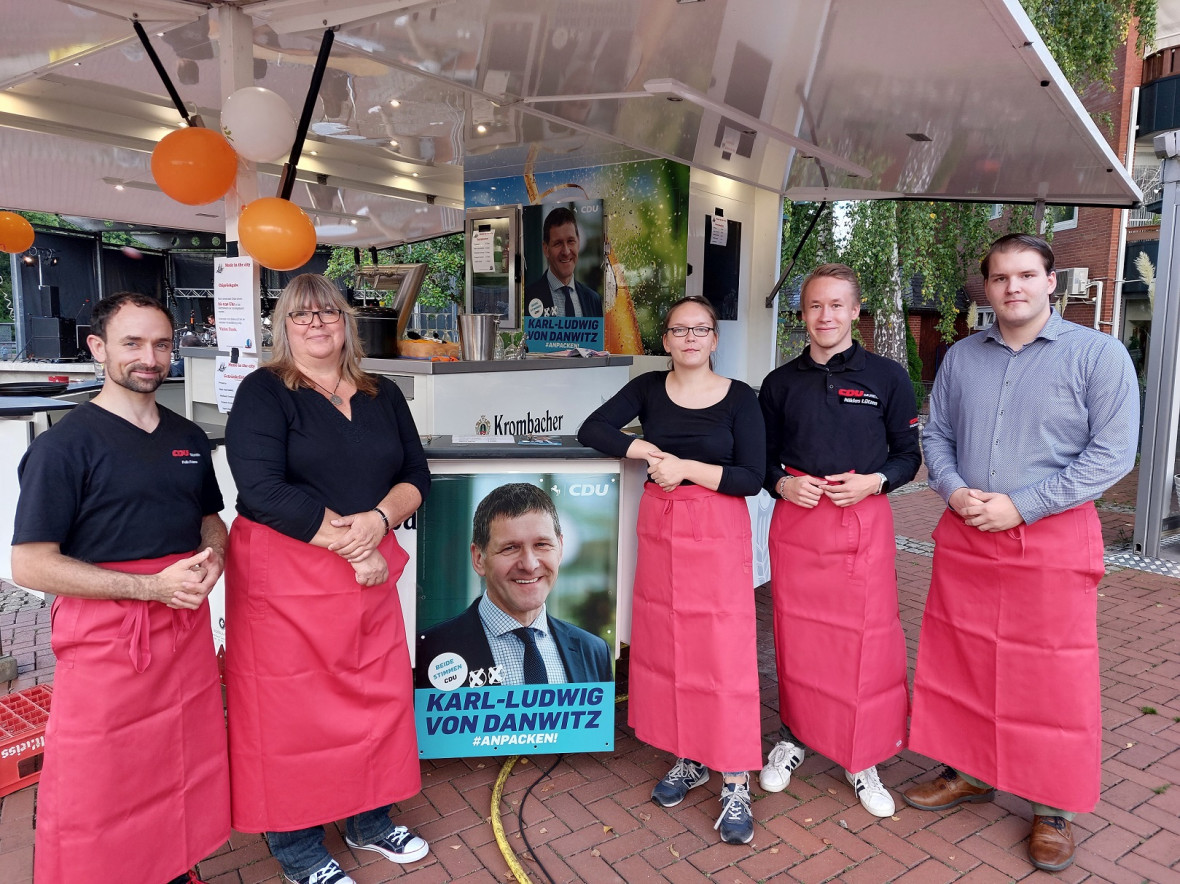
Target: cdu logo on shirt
852 396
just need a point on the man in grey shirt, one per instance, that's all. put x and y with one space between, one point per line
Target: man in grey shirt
1030 422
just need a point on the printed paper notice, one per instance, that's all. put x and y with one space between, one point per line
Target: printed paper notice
483 251
233 303
228 376
718 231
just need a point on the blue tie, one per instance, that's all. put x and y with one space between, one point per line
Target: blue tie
534 666
568 306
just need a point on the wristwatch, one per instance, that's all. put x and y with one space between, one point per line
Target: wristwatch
884 486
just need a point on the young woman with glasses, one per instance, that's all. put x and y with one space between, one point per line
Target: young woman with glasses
321 724
694 667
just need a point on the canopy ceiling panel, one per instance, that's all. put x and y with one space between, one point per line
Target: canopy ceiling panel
816 100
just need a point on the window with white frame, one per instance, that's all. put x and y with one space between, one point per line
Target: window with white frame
1059 218
984 318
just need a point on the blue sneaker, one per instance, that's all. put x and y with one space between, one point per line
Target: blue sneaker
328 874
736 821
399 846
685 774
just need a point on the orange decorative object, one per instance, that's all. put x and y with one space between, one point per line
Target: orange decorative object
194 166
276 233
16 234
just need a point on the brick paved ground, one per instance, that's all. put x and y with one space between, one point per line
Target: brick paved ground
592 820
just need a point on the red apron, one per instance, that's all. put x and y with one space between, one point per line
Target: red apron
839 647
321 700
694 644
1006 687
135 788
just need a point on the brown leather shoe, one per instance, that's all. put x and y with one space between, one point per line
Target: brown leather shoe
946 790
1050 844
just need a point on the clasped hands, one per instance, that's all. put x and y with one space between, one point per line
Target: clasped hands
185 583
666 470
358 546
985 510
842 489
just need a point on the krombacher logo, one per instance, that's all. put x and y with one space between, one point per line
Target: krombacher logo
527 425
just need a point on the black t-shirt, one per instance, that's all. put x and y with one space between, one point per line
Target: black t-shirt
293 454
854 414
729 434
108 491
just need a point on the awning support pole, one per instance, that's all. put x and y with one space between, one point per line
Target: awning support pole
287 181
159 66
791 265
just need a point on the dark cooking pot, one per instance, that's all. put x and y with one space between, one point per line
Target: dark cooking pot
377 327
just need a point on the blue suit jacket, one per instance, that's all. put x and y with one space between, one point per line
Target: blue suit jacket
539 290
585 656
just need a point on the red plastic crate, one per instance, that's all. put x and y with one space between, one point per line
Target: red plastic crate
23 716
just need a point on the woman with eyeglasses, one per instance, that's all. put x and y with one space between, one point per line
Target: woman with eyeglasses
327 461
694 666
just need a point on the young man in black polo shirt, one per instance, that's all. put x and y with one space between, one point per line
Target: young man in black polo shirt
841 430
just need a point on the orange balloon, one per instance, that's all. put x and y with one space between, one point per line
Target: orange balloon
276 233
16 233
194 166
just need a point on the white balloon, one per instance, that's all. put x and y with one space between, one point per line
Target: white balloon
259 124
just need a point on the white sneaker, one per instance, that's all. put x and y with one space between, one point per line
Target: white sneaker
783 759
874 797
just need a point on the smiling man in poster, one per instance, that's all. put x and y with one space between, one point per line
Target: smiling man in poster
483 676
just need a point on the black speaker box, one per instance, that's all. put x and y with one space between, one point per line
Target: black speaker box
52 338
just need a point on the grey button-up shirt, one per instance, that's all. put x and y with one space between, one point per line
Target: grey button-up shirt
1052 425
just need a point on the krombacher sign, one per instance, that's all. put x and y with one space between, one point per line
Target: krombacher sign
527 425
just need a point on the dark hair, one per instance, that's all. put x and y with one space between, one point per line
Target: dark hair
689 299
109 306
511 500
1018 242
302 293
842 272
558 217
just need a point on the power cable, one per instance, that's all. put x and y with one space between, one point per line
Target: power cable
520 818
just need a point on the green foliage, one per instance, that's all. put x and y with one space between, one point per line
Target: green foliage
444 256
1084 36
871 251
913 360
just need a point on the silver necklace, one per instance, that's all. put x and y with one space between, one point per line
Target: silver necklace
332 397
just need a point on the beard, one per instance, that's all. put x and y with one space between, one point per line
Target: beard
125 378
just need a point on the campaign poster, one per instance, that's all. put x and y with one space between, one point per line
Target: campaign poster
474 693
563 244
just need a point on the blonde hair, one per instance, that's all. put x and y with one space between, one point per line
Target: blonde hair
306 292
842 272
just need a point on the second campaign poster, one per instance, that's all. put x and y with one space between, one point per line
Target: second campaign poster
473 691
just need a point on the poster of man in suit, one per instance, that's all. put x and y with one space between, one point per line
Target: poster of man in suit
505 657
563 249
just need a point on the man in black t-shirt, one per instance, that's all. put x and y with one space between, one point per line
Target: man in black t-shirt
841 430
115 502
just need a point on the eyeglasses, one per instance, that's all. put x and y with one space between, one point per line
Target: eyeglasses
698 331
304 317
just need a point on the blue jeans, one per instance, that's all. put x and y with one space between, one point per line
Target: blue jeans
302 852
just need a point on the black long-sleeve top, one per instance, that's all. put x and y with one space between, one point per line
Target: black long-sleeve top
854 414
293 454
729 434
